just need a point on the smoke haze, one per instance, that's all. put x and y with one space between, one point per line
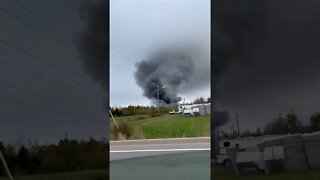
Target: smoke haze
94 40
266 59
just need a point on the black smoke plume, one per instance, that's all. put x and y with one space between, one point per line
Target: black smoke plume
93 43
164 71
239 29
266 58
220 118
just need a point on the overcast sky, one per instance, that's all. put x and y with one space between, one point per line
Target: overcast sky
44 90
266 60
139 28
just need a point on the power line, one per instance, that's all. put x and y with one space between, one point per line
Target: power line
37 28
40 67
23 89
40 75
121 92
39 19
115 62
47 109
70 6
40 59
116 68
69 44
66 42
119 53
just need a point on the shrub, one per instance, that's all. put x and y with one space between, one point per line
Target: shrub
125 131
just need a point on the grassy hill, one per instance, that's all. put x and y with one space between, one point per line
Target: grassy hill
170 126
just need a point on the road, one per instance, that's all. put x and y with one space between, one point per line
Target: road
120 150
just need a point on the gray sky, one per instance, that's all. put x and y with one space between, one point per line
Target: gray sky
266 60
46 97
140 27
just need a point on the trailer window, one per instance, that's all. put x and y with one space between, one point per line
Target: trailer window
226 144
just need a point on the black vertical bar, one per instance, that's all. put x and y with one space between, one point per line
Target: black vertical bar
213 132
108 84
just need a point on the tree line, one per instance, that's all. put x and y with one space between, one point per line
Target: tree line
67 155
132 110
281 125
141 110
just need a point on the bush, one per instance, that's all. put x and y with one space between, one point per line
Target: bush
141 117
125 131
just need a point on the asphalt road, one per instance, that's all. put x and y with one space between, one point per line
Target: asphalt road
121 150
169 159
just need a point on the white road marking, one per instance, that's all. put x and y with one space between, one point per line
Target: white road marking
160 150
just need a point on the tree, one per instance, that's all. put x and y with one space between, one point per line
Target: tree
258 132
2 148
277 126
199 101
290 124
294 125
246 133
23 159
209 100
315 122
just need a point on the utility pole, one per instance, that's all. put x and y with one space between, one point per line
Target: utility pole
113 118
158 99
237 119
218 139
5 166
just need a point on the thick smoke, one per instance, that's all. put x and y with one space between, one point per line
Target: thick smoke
164 71
266 57
219 118
239 29
94 40
259 45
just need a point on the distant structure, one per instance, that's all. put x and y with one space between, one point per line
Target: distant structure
195 109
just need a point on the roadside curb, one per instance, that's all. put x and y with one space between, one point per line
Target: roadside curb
167 140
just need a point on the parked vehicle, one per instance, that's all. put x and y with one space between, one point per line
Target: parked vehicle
248 153
187 110
173 112
194 109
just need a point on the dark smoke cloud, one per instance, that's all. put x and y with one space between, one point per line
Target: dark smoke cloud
259 44
168 69
266 57
219 118
239 30
94 40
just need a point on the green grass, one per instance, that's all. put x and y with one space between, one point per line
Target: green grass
81 175
225 174
170 126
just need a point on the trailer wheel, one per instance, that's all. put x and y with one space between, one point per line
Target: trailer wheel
225 163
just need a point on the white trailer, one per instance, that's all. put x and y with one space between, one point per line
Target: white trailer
194 109
248 152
